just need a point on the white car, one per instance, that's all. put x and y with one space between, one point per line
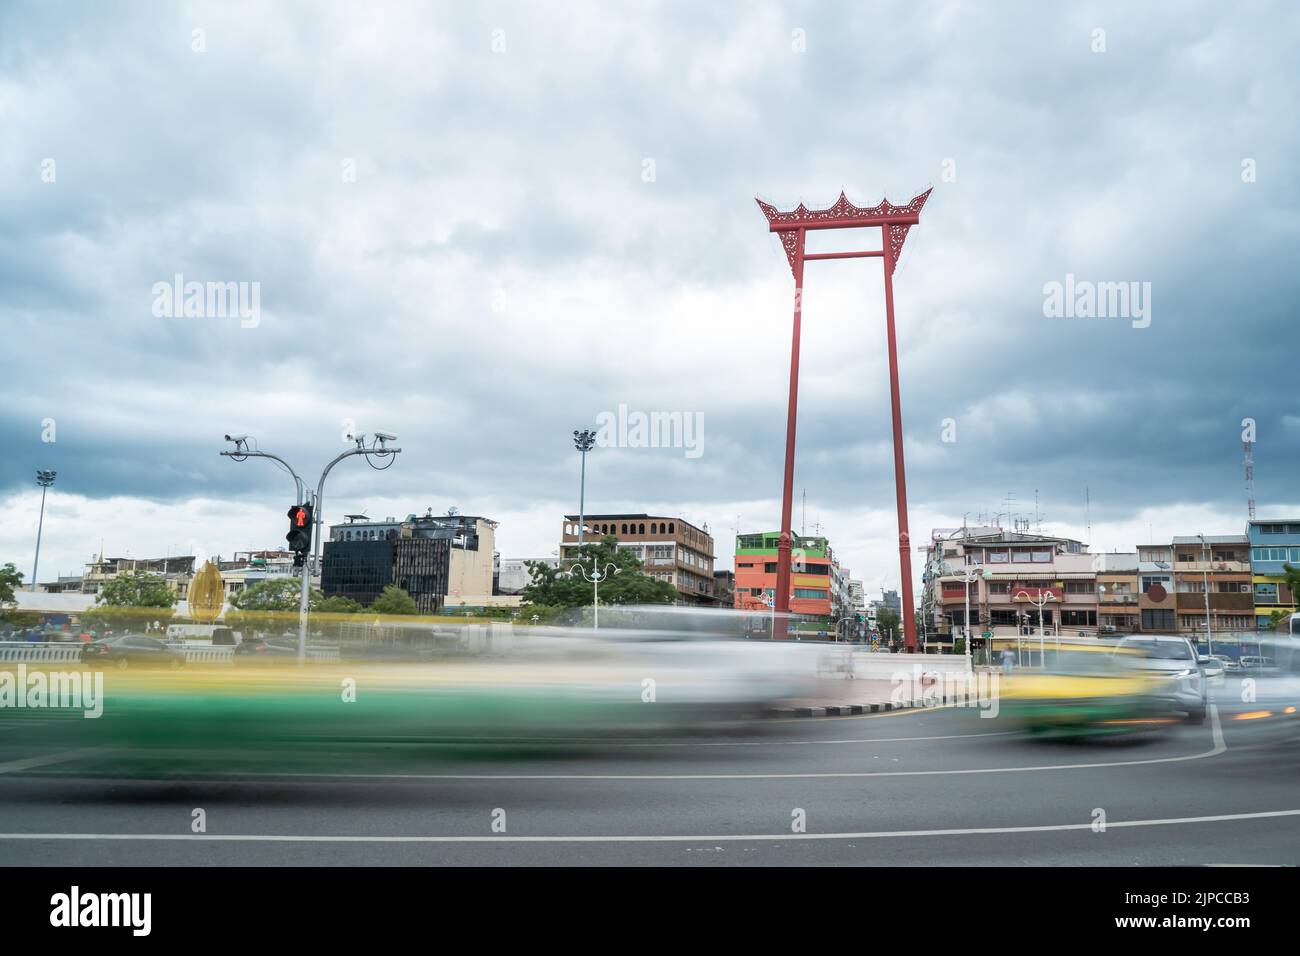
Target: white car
1174 660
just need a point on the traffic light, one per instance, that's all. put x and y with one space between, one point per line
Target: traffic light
299 536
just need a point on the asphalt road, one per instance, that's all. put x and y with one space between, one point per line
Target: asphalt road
910 788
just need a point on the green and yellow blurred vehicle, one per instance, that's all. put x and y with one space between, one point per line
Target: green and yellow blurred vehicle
570 691
1086 689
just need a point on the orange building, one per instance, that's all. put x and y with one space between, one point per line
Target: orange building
811 579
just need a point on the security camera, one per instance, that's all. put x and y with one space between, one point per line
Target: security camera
384 436
237 439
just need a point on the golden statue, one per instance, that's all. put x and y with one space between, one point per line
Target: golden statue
207 594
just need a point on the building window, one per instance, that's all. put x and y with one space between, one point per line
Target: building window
1265 593
642 526
671 527
654 527
999 587
1157 620
1078 587
810 593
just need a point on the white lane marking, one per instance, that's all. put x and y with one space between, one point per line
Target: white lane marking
631 838
46 759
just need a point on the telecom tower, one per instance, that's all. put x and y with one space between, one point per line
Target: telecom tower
1246 446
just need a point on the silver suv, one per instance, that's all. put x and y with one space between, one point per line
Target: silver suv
1173 659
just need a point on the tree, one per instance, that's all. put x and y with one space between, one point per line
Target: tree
275 594
338 604
394 600
628 585
887 622
11 579
1291 581
136 589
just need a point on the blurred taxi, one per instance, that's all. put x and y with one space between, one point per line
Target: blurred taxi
1087 688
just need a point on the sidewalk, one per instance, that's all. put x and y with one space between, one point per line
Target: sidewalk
841 697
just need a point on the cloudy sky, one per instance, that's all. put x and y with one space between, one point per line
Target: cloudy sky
481 225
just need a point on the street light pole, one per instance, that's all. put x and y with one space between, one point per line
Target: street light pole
378 448
1205 574
1041 602
44 479
583 441
594 579
969 573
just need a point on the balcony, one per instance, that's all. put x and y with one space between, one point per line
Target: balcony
1239 567
1241 602
1121 599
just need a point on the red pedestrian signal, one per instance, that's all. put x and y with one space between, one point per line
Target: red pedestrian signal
299 536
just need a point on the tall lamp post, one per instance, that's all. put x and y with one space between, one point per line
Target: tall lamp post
583 441
594 579
44 479
971 572
378 448
1205 575
792 227
1040 601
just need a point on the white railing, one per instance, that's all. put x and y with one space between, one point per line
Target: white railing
42 652
208 655
56 653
